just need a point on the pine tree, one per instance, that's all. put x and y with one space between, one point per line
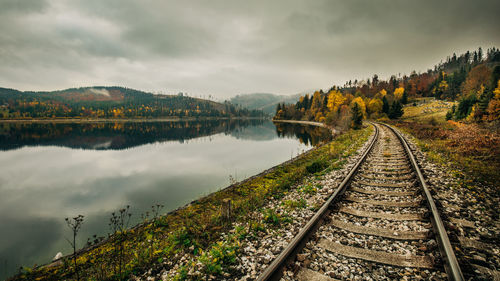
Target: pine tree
396 110
385 106
404 98
306 102
357 116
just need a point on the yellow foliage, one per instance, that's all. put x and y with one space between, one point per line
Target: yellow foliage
494 105
316 101
335 99
375 105
361 104
471 115
383 92
497 91
318 116
398 92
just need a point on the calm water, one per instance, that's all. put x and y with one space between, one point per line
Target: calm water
52 171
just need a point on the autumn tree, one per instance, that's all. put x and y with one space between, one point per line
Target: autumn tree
316 102
374 106
335 100
476 80
494 105
398 93
361 105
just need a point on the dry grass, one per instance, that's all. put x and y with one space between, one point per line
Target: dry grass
470 148
426 109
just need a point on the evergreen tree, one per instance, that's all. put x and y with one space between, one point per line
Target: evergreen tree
495 76
396 110
449 115
357 116
385 105
306 102
404 98
465 106
483 102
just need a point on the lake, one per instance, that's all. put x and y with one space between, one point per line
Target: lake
50 171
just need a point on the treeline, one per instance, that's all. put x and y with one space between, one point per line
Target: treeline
111 102
340 108
471 78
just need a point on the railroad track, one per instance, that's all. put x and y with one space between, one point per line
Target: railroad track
380 224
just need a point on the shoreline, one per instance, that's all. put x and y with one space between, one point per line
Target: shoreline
124 120
309 123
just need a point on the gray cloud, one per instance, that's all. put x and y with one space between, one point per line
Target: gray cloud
229 47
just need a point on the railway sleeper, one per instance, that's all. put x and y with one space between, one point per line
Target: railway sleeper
377 256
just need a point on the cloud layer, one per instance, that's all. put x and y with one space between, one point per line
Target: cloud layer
224 48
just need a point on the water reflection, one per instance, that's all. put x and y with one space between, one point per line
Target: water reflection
308 135
53 171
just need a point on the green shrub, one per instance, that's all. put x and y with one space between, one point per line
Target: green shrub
316 166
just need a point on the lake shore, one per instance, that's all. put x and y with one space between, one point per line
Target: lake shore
123 120
309 123
192 229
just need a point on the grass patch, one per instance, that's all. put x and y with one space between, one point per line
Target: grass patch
295 204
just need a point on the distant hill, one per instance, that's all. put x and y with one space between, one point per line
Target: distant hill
110 102
263 101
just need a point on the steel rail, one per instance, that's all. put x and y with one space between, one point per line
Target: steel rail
451 264
274 270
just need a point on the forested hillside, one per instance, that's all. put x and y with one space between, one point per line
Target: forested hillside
110 102
472 79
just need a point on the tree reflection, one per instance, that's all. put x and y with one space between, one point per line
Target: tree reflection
123 135
308 135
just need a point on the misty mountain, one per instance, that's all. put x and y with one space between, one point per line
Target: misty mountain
263 101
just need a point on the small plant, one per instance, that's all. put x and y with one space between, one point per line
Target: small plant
182 274
182 238
232 180
257 227
316 166
219 256
308 189
271 217
74 224
240 232
119 223
295 204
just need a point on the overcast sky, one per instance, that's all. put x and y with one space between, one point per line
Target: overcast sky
224 48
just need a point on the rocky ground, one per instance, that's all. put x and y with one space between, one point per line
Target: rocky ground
470 216
317 258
